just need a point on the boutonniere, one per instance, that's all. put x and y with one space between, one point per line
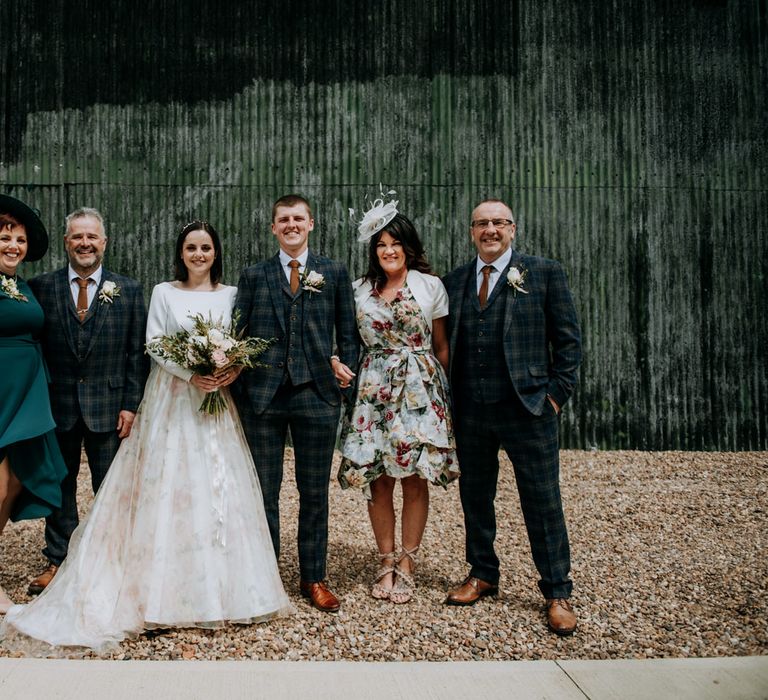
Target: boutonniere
516 279
11 289
312 281
109 292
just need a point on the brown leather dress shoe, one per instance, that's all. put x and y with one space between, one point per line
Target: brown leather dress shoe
320 595
37 584
470 591
560 616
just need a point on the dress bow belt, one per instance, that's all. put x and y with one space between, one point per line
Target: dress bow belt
409 370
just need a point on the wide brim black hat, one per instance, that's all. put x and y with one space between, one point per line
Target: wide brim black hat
37 236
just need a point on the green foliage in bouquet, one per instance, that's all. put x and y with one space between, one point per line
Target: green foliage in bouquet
210 348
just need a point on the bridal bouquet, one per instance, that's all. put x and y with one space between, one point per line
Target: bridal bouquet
208 348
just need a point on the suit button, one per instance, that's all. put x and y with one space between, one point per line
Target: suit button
290 360
480 333
279 364
81 380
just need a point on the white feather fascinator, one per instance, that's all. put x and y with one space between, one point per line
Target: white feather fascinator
377 217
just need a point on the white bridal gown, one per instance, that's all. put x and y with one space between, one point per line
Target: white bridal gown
177 535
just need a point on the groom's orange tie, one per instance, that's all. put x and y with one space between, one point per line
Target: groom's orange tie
482 295
294 265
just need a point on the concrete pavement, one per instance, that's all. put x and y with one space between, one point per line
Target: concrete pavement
731 678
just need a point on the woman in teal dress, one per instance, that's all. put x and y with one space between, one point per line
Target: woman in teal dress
31 466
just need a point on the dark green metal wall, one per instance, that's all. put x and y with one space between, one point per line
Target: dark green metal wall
629 138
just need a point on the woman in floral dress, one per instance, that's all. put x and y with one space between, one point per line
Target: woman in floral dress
400 426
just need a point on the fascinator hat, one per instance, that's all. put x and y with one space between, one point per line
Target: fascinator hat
377 217
37 236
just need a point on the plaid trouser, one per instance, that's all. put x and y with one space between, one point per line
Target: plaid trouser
532 445
100 448
313 424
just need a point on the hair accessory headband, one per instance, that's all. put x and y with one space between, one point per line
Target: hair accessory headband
377 217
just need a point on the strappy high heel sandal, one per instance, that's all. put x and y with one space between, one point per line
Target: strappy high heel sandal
378 591
404 586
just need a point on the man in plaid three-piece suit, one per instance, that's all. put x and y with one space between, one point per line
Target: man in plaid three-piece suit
305 302
93 342
515 349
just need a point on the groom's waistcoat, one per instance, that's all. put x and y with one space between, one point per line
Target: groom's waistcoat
296 365
480 349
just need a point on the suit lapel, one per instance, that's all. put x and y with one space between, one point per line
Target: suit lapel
98 312
472 280
311 265
511 296
65 307
277 284
455 301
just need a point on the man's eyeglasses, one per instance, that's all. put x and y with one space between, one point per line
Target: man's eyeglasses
497 223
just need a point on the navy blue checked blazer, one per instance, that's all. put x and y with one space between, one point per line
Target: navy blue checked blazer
110 375
328 318
542 341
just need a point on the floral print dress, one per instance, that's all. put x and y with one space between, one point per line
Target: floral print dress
400 424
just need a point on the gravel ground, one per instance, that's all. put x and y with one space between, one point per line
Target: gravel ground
670 559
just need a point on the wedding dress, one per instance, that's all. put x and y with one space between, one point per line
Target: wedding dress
176 536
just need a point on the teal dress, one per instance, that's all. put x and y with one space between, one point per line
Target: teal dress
27 434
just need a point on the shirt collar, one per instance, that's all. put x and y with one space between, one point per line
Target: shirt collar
285 258
499 264
95 275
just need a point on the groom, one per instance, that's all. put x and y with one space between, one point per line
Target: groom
305 302
515 348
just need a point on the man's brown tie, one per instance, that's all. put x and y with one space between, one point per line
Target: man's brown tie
482 295
294 265
82 298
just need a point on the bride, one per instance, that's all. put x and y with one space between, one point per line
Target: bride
177 535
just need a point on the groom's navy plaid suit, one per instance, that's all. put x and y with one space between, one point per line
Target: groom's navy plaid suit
296 390
505 360
98 368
